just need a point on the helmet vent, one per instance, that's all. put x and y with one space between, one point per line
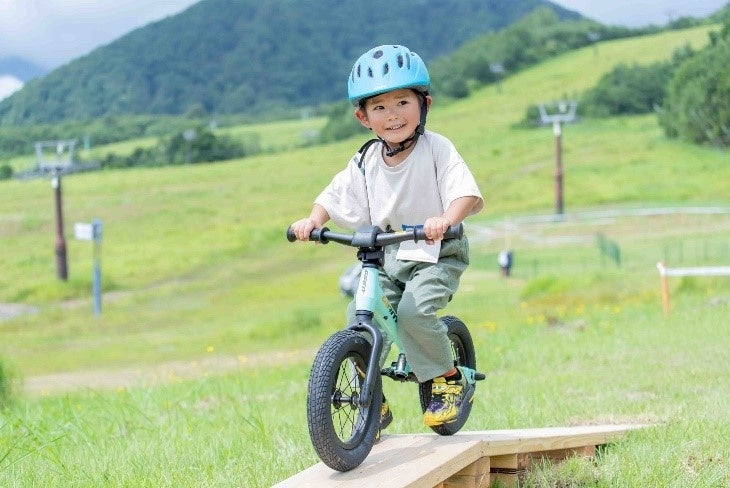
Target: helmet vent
383 69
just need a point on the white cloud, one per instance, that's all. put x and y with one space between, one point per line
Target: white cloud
638 13
52 32
9 85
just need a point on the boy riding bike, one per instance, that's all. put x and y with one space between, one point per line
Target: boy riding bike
406 176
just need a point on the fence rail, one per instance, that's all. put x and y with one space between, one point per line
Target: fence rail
665 272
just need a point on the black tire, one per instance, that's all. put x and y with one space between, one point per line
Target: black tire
463 349
342 431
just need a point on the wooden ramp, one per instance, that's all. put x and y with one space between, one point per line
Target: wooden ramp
467 459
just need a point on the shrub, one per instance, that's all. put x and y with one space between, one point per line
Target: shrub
6 172
633 89
698 98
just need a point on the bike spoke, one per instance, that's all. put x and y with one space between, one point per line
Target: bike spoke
346 414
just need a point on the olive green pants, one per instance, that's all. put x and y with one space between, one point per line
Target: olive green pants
417 291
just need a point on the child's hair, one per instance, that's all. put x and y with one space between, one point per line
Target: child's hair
386 68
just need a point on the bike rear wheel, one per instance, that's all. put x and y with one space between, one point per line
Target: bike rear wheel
341 429
463 350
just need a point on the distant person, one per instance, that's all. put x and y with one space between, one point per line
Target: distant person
406 177
505 260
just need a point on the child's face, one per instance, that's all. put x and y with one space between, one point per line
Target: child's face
393 116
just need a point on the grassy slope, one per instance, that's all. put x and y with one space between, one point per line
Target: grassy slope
197 251
196 259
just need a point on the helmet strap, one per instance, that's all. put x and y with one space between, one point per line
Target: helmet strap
411 141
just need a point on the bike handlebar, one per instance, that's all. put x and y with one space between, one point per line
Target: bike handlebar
373 236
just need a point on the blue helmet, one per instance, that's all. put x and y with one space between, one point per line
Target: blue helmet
386 68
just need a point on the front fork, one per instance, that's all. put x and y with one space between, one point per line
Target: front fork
364 323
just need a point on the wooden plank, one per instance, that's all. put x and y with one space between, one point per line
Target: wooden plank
509 462
400 460
510 469
476 475
500 442
430 460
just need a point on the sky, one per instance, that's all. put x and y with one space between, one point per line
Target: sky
639 13
50 33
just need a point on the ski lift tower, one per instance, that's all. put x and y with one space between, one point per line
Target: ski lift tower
497 69
565 114
56 158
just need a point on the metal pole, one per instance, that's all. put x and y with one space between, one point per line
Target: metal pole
60 246
558 168
96 226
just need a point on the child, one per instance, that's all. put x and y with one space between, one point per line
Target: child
408 177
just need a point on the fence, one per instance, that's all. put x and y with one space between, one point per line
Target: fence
665 273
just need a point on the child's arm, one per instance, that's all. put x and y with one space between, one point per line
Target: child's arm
316 220
459 209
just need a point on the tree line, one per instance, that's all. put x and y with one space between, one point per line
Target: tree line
689 92
249 56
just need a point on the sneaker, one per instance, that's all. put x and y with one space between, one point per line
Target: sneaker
386 417
447 400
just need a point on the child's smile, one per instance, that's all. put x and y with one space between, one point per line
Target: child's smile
393 116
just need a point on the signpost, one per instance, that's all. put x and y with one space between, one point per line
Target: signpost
92 232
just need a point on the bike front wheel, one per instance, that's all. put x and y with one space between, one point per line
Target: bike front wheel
341 429
462 347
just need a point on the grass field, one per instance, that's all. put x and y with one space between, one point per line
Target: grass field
196 271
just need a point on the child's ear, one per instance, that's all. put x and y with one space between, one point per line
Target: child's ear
361 116
428 102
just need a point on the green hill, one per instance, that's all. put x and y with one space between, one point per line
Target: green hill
199 249
248 56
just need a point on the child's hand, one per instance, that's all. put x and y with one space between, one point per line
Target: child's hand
435 227
303 228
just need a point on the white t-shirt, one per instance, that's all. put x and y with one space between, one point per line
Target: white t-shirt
420 187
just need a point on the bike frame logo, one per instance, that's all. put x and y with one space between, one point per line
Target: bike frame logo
390 309
364 281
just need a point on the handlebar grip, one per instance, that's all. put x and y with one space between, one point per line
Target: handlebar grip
316 235
290 235
453 232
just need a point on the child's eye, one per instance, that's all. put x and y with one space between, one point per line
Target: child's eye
377 107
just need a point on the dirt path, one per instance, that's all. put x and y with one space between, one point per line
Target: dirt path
10 310
156 374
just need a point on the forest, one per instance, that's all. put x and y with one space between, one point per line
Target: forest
248 56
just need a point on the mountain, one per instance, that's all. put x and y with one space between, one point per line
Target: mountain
14 72
249 56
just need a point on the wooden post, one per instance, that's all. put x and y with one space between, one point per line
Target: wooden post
665 287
